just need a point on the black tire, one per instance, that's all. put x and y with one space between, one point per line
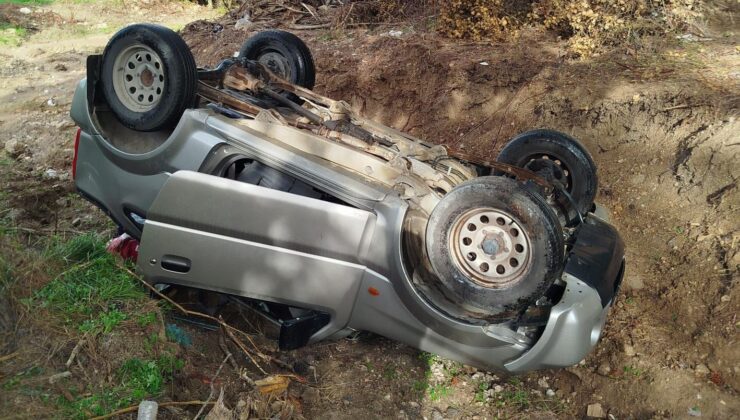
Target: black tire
174 77
296 65
576 169
540 230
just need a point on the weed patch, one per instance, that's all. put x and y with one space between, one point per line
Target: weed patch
92 290
11 35
138 379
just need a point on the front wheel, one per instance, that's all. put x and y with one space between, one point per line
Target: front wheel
148 77
494 245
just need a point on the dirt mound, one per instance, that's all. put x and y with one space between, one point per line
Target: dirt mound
11 14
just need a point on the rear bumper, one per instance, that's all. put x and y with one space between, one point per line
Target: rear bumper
593 275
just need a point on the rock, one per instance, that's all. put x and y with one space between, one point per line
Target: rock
395 33
595 411
604 368
452 412
60 67
310 395
725 298
483 63
25 10
244 23
436 415
498 388
387 397
14 148
542 382
51 102
633 282
550 392
51 174
629 351
701 370
413 404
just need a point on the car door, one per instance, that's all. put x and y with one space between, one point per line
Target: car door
218 234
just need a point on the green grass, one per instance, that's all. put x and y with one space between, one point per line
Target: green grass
11 35
437 392
480 392
11 383
146 319
93 287
631 370
390 373
517 397
137 379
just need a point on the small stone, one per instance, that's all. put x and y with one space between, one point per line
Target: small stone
436 415
413 404
60 67
387 397
310 395
395 33
542 382
483 63
725 298
634 282
51 174
595 411
51 102
604 369
452 412
14 148
550 393
498 388
629 351
25 10
701 370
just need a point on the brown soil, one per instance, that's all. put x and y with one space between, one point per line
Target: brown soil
661 124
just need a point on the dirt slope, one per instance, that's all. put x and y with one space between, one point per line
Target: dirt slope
661 124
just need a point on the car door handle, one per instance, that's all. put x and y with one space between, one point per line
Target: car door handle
175 263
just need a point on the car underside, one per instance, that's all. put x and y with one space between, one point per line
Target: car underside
242 180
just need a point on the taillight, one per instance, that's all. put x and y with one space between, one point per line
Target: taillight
74 159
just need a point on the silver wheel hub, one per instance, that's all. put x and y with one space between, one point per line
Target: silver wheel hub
138 78
490 247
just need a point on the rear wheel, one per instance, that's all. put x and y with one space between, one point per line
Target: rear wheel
494 246
148 77
559 158
284 54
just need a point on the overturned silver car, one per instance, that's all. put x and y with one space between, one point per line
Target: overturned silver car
241 180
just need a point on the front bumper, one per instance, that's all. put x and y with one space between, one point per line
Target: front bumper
592 277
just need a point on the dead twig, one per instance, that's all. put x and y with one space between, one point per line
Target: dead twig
136 407
9 356
228 328
244 349
227 352
59 376
299 27
213 389
75 350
